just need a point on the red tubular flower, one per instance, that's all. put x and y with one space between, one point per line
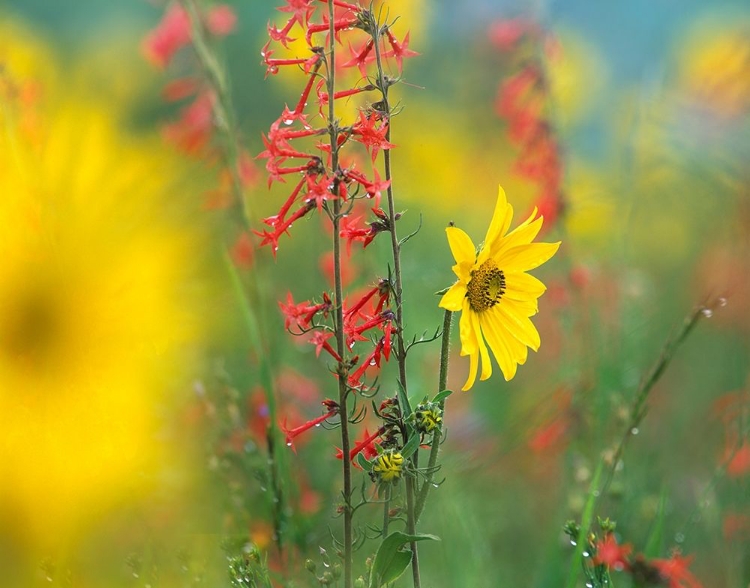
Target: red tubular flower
352 231
281 228
320 340
366 446
272 65
354 333
301 10
370 130
399 50
338 25
361 58
296 431
373 359
319 191
612 555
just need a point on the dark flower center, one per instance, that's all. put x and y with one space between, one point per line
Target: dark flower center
486 286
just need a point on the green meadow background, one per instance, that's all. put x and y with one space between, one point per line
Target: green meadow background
650 104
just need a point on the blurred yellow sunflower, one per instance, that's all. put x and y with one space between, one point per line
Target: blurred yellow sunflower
494 292
100 317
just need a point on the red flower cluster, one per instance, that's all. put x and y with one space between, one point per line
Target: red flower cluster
318 183
366 316
521 101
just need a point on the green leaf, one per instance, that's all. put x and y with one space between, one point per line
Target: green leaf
442 395
362 461
412 444
403 401
390 560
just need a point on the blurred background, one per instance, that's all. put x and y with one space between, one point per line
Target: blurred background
134 449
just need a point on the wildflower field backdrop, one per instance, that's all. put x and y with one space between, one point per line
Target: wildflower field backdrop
267 320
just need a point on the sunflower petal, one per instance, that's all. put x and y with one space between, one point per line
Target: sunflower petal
473 365
461 245
466 330
486 363
491 329
522 286
501 218
526 257
520 327
453 299
523 234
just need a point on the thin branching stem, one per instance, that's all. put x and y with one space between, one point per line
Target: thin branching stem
339 310
222 105
411 482
639 407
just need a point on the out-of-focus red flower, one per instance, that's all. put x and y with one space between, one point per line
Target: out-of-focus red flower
179 89
675 571
243 251
221 20
736 526
611 554
170 35
505 34
739 463
348 269
191 133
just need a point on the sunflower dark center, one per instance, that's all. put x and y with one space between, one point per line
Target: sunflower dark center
486 286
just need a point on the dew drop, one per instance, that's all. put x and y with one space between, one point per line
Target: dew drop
589 585
288 121
634 431
722 301
679 537
707 312
288 443
573 542
49 578
585 554
317 424
135 575
596 492
372 362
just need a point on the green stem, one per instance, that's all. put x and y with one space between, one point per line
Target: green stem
639 408
383 84
386 512
339 310
437 435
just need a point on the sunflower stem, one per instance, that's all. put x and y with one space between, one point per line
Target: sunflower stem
437 434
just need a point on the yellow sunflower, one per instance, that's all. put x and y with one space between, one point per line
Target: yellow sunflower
495 293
